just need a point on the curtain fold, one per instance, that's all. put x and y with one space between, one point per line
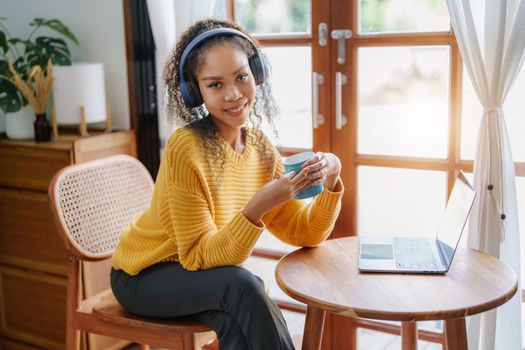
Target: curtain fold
491 39
163 25
168 19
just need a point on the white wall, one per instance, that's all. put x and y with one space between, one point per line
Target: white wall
99 28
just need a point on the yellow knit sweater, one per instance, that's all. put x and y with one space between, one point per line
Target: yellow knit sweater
202 228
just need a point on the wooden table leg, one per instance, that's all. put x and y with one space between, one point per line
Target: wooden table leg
313 328
409 335
456 334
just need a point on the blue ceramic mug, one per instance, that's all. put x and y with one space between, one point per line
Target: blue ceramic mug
294 163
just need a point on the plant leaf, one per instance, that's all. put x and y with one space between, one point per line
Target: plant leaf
21 67
10 98
3 42
56 25
15 41
46 48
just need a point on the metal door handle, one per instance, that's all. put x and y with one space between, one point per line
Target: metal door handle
317 79
340 119
323 33
341 35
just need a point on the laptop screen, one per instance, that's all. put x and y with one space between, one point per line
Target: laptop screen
455 217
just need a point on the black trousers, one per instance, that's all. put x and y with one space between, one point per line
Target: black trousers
229 299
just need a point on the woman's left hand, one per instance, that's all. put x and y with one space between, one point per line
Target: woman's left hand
323 168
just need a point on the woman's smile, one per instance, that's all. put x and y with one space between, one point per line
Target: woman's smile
237 111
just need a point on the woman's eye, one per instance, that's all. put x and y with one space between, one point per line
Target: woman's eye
242 77
214 85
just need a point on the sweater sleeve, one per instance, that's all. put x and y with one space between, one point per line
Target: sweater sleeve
305 224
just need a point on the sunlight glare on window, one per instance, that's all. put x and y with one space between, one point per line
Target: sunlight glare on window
274 16
291 82
397 16
403 96
409 202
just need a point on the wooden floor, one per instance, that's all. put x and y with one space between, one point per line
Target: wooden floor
370 340
366 339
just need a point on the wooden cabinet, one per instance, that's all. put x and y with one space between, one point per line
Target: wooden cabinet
33 260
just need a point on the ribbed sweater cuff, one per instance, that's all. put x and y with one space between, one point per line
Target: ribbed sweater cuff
328 199
244 231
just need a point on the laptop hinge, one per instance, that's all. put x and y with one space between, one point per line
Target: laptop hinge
445 258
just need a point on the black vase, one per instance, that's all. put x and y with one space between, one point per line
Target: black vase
42 128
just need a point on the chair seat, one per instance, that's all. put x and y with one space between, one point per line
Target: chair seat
111 311
108 309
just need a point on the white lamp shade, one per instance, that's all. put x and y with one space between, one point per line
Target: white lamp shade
81 84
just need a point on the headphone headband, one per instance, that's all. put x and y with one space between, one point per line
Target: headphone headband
205 36
187 91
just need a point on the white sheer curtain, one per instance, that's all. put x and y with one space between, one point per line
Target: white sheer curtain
168 19
491 39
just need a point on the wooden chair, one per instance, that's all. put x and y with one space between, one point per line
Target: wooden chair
91 204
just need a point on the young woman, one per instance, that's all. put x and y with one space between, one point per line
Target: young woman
220 184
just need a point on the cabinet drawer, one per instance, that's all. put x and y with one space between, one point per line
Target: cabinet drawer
31 167
8 344
33 307
28 236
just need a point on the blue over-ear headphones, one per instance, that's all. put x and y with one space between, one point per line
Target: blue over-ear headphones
189 87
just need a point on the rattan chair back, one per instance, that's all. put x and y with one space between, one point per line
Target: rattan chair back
95 201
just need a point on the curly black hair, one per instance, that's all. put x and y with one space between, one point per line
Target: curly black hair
197 119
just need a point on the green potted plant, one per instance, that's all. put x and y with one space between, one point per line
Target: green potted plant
25 54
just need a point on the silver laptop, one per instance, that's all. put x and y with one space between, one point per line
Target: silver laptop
421 254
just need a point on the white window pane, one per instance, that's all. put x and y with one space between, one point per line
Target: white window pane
397 16
291 82
274 16
220 10
403 101
395 201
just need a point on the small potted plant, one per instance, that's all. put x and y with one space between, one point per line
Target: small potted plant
36 89
25 55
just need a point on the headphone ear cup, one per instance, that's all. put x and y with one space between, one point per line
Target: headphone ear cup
194 92
186 95
259 68
190 92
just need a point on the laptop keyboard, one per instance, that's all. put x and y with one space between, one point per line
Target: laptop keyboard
414 253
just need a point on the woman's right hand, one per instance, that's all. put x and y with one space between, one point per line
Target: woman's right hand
274 193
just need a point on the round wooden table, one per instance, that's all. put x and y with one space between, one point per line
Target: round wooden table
327 279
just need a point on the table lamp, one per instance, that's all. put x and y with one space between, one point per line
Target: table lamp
79 97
